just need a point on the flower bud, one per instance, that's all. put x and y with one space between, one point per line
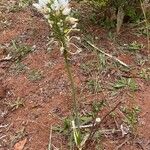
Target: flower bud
71 20
66 11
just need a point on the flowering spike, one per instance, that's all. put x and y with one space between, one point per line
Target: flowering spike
58 14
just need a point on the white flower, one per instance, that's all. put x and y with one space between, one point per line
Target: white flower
98 120
63 3
60 5
66 11
55 5
42 4
71 20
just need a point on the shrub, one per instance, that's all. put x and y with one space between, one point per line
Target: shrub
117 11
131 9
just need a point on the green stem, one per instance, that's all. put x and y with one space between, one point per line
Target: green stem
61 37
67 66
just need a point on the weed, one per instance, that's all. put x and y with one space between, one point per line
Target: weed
93 18
145 74
86 69
25 3
93 65
86 121
94 85
141 61
102 61
4 22
111 36
18 68
18 135
134 46
35 75
107 23
126 83
16 104
67 130
20 50
14 8
131 116
64 128
19 5
142 30
97 106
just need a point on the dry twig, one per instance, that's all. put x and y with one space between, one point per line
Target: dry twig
108 55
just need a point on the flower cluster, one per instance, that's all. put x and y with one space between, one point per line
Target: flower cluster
53 5
58 14
41 5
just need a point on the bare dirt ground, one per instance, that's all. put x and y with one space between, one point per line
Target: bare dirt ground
34 91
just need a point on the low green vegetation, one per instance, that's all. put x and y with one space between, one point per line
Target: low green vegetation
131 116
19 50
35 75
18 68
94 85
16 104
126 83
145 74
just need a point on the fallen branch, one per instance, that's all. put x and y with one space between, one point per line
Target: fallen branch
108 55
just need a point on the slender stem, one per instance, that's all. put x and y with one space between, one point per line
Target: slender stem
61 37
60 34
75 108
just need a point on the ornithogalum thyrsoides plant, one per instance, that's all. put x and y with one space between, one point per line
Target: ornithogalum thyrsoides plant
58 15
